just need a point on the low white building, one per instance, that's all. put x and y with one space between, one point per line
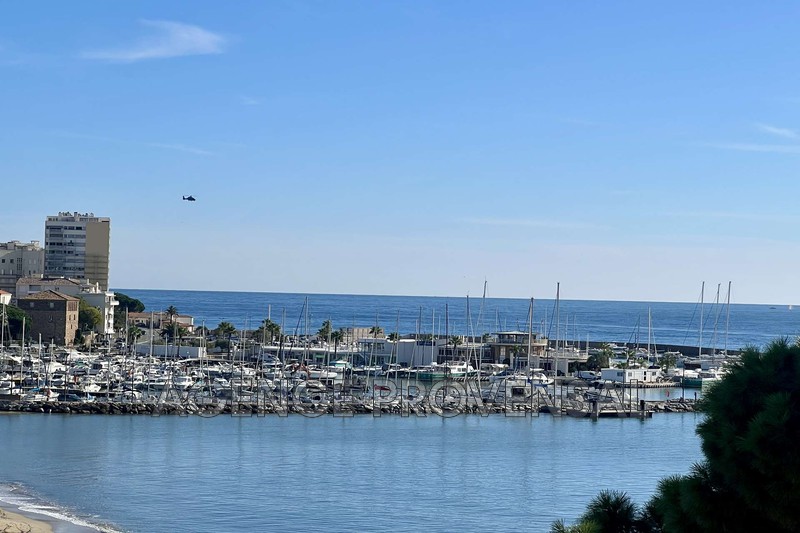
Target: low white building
5 297
628 375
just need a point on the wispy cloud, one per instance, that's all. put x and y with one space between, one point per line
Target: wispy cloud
167 146
786 133
249 100
527 223
752 147
170 39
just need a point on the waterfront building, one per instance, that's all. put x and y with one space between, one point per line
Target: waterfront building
18 260
511 348
160 319
104 301
54 316
629 375
5 297
77 245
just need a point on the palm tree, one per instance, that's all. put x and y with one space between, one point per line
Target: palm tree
393 336
581 527
376 331
337 337
134 333
325 331
226 329
612 511
272 329
171 313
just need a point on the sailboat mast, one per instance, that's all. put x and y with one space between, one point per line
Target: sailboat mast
727 318
700 341
530 334
558 326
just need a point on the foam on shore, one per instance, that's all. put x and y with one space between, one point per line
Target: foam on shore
16 499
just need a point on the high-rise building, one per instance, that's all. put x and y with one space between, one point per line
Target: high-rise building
18 260
76 245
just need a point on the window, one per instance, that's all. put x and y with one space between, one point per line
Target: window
52 305
31 304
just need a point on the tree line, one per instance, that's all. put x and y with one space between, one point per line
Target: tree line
749 478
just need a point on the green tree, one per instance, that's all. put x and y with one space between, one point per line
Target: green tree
171 313
456 340
134 333
171 331
667 361
376 331
582 527
600 359
226 331
750 478
337 337
14 319
613 512
393 336
272 330
325 331
88 317
126 303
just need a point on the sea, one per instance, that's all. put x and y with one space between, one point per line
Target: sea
365 473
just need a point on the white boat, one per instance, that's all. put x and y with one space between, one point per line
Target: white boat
539 378
40 395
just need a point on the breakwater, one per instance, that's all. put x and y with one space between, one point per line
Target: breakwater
643 409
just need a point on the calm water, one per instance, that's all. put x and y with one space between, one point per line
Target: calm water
672 323
337 474
356 474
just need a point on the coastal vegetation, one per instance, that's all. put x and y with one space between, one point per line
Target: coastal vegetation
126 304
749 479
88 316
14 320
268 330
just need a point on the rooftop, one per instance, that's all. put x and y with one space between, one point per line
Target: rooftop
50 295
47 281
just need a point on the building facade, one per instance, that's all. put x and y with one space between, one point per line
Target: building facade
103 301
18 260
77 245
54 316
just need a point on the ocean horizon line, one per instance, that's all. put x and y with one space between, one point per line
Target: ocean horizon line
462 297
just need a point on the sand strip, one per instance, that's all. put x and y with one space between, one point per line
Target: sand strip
16 523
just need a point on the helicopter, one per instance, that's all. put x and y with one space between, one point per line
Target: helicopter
189 198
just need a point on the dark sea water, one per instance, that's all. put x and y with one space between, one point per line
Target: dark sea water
672 323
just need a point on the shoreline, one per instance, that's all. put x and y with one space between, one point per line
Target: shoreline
21 512
16 522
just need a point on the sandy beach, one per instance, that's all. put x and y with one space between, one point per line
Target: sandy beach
16 523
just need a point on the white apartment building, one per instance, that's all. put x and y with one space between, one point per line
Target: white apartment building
77 245
19 260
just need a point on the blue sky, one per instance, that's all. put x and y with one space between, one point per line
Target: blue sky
629 150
